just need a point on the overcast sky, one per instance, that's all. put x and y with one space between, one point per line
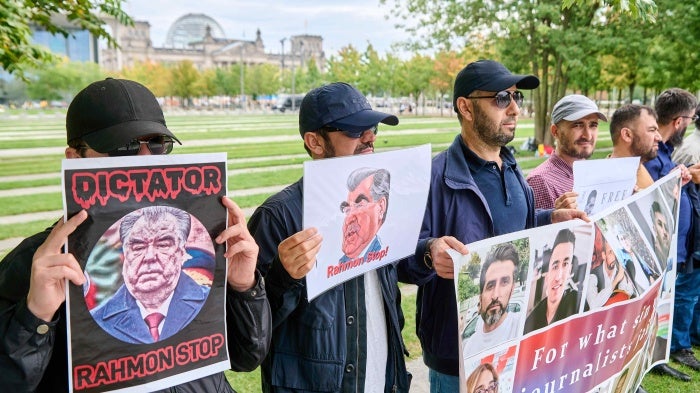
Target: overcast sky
339 22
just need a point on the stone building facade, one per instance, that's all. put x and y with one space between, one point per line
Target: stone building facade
198 38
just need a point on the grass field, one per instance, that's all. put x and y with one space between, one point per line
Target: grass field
265 153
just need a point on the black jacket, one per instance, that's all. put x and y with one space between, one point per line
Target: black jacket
30 361
318 346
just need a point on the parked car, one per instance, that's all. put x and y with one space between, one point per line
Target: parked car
284 102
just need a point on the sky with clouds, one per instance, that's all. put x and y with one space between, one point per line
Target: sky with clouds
339 22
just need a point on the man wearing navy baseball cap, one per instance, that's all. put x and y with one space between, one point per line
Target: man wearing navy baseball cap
477 191
112 117
348 339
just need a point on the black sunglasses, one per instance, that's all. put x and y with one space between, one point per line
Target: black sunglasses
693 118
503 98
157 145
348 133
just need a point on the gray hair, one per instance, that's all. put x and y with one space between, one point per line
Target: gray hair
380 184
153 214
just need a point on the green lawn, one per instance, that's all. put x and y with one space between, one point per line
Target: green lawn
270 162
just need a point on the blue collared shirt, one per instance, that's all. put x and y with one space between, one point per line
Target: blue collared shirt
502 190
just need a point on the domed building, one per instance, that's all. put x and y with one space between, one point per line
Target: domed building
200 39
191 28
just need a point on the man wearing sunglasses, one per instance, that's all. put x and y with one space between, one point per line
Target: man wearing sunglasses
575 128
477 191
348 339
112 117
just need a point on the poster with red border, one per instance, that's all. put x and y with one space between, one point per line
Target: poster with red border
146 245
573 306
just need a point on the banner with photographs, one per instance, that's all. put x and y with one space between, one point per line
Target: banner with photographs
151 313
574 306
364 207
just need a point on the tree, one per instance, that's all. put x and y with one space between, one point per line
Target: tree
346 66
184 80
63 81
262 79
540 38
17 52
155 76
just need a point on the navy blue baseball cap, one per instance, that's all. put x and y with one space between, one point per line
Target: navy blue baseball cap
489 75
340 106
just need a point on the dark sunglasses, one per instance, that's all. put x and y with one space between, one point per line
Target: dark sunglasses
348 133
157 145
503 98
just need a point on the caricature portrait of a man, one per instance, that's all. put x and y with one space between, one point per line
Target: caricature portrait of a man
157 299
365 211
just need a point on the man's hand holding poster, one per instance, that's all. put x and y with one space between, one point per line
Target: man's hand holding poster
151 313
574 306
364 207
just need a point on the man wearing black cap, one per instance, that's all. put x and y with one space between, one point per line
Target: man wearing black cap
476 191
349 338
112 118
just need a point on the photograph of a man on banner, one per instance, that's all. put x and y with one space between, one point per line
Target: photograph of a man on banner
557 286
492 296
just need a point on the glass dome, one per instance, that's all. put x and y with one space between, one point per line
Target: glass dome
190 28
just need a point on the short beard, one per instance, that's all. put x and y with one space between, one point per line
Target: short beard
489 132
677 138
644 154
493 318
573 153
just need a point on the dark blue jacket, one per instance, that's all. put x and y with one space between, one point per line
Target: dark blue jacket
456 207
309 342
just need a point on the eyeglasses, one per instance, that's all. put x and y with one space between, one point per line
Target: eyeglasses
348 133
503 98
491 388
157 145
693 118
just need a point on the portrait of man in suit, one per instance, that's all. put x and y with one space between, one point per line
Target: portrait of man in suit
365 211
157 299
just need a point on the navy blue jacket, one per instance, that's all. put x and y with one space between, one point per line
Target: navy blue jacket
309 341
456 207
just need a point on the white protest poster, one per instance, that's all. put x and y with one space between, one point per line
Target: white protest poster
573 306
151 312
368 208
601 183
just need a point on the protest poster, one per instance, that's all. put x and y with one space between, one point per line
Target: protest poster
601 183
573 306
364 207
152 311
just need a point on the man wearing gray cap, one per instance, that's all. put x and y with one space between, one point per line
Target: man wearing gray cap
347 339
476 191
575 128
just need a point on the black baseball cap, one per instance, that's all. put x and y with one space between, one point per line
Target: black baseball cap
489 75
108 114
341 106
